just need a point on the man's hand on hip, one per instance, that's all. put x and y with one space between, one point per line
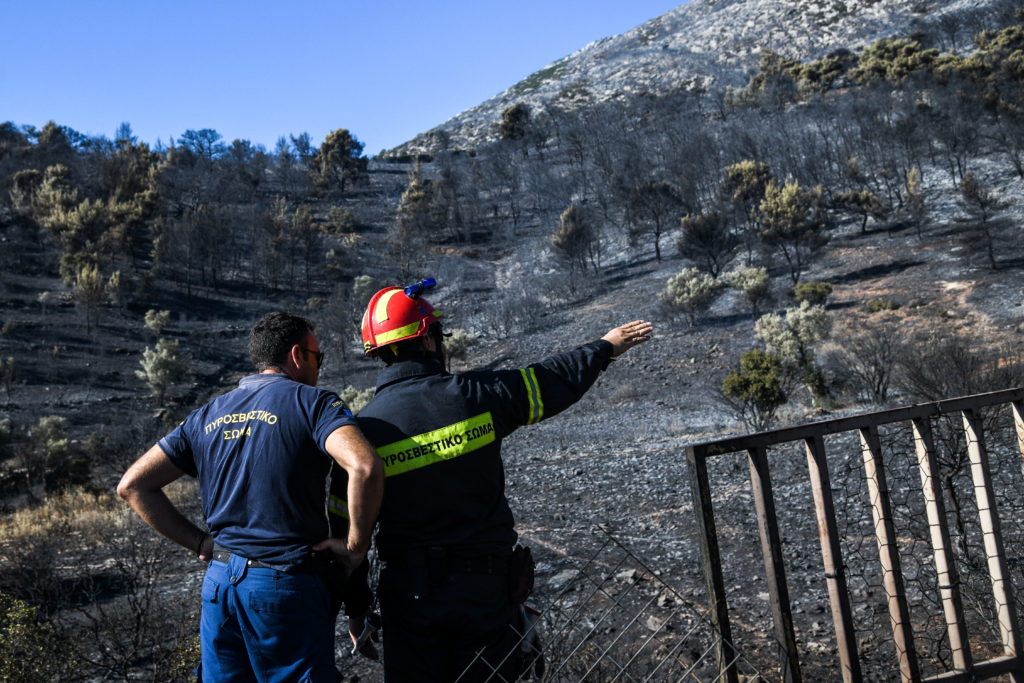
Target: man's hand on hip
338 547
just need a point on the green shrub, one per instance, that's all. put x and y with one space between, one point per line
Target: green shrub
813 293
755 390
457 342
30 650
752 282
315 303
876 305
157 321
793 339
692 292
356 399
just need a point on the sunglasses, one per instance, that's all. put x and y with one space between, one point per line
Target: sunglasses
319 356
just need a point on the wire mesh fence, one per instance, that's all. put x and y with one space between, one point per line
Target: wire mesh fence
603 614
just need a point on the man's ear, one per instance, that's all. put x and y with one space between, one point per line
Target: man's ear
294 357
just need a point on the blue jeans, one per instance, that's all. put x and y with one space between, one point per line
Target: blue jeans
265 625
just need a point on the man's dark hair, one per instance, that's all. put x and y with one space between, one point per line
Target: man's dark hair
274 336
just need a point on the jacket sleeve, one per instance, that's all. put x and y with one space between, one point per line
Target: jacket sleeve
337 501
547 388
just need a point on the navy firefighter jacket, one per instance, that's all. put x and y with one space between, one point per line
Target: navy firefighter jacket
439 437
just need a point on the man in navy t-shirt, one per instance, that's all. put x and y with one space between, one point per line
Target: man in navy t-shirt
262 453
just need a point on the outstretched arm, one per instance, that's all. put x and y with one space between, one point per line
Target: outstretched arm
625 337
142 488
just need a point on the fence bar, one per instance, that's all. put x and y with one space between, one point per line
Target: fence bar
888 554
775 572
848 424
1018 422
832 557
1002 589
713 580
945 567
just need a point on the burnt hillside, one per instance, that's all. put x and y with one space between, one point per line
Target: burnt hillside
877 187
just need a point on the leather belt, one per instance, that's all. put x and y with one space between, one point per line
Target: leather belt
221 554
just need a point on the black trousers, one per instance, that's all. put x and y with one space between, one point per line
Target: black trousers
442 626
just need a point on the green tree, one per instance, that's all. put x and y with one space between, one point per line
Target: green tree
206 144
755 391
574 241
89 292
340 222
790 218
863 203
24 185
893 59
692 292
48 461
339 160
514 121
161 367
914 204
743 189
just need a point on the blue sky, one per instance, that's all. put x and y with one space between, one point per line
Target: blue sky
259 70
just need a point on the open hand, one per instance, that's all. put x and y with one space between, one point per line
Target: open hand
625 337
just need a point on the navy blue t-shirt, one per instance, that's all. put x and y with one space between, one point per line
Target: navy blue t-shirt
258 453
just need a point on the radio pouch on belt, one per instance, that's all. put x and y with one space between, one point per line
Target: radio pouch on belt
520 575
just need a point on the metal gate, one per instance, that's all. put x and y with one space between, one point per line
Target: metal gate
956 460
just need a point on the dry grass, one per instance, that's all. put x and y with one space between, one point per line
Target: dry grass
80 514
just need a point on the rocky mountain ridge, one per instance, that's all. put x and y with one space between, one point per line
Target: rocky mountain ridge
703 45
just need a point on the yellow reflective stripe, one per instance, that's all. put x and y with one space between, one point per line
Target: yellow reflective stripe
533 394
337 505
381 309
437 445
408 330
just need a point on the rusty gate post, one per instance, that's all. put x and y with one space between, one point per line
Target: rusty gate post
1002 590
774 568
832 557
713 580
888 554
945 566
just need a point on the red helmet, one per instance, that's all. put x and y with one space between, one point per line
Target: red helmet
394 314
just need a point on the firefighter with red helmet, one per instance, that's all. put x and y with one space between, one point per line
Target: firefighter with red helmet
446 533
